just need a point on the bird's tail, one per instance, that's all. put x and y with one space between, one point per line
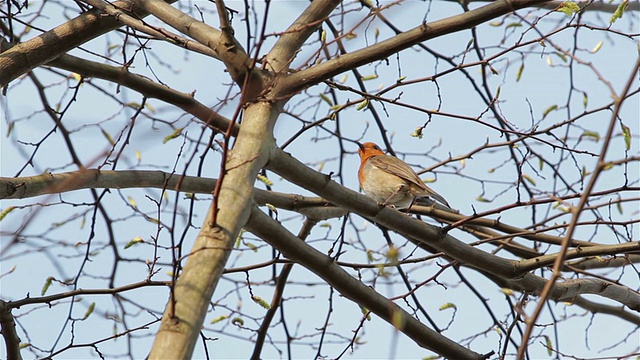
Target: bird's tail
428 200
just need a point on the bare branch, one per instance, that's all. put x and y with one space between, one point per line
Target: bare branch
598 250
69 294
289 43
40 50
304 78
138 24
272 232
585 5
31 186
8 329
617 311
227 48
146 87
576 212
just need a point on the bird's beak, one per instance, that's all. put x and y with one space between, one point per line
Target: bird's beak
360 146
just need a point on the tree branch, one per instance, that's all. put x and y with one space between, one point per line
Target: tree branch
576 212
617 311
500 269
585 5
227 48
288 44
67 294
323 266
187 307
9 334
307 77
30 186
547 260
40 50
138 24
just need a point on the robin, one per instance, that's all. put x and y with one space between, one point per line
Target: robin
389 180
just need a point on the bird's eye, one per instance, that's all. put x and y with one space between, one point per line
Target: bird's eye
376 147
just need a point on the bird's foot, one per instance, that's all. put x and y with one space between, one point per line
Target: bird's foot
386 204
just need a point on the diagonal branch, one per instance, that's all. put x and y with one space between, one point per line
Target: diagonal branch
617 311
305 78
226 47
598 250
289 43
323 266
568 291
40 50
159 33
190 298
585 5
146 87
431 238
577 211
293 170
9 334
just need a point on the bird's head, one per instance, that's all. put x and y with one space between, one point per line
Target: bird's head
369 149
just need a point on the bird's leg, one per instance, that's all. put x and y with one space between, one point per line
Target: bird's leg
394 193
383 204
413 201
386 204
399 189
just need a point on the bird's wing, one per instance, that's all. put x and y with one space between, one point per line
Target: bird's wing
395 166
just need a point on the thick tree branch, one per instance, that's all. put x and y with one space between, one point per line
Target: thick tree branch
312 207
313 75
323 266
9 334
227 48
570 289
596 263
289 43
291 169
547 260
40 50
138 24
500 269
185 312
617 311
30 186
